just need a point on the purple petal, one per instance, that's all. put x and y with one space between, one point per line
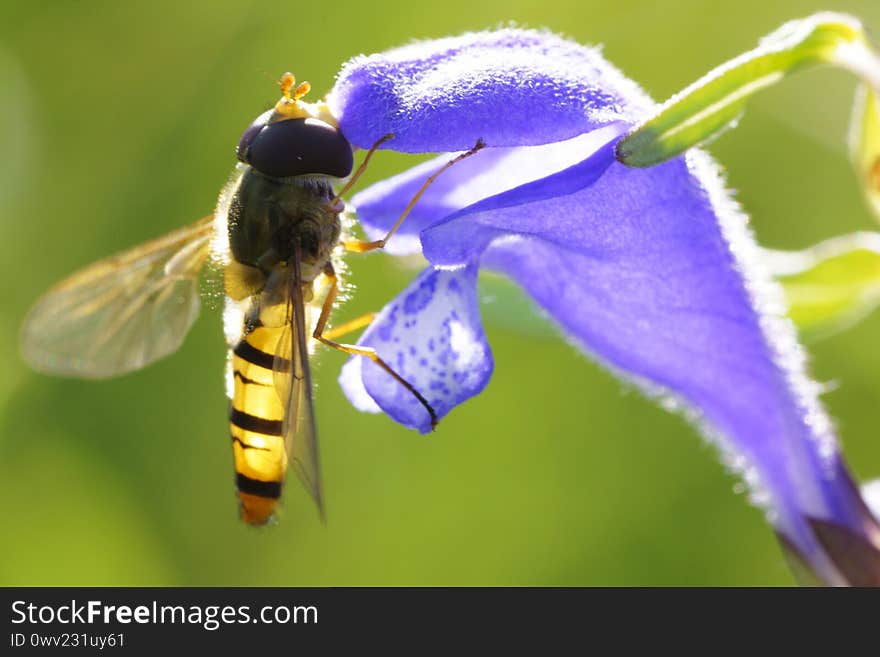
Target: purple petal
463 236
509 87
352 382
486 174
644 270
651 270
432 336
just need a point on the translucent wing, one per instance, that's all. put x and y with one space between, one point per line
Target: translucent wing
120 314
293 381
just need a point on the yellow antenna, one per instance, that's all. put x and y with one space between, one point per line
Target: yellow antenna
287 81
291 105
301 90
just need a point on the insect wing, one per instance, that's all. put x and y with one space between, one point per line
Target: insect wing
293 382
122 313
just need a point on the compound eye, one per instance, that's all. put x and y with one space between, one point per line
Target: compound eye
252 131
296 147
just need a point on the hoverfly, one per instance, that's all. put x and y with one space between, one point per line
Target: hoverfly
276 236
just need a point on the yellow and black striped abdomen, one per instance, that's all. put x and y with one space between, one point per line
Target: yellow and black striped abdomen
256 420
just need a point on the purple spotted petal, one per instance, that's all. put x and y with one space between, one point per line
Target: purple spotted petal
352 381
508 87
488 173
432 336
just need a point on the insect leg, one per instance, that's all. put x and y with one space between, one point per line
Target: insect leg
358 246
370 353
359 172
348 327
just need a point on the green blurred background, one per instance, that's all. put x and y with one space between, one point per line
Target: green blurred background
119 122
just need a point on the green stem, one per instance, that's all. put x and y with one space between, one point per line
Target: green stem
713 102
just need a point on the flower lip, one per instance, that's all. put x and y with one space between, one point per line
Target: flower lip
433 337
510 87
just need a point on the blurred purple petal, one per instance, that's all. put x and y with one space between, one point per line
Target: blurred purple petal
509 87
432 336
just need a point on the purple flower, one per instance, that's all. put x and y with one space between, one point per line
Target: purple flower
653 272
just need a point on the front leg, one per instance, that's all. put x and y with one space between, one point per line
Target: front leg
359 246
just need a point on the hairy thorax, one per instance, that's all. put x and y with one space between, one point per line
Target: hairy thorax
269 219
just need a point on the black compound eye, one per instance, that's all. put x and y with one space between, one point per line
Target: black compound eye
252 131
296 147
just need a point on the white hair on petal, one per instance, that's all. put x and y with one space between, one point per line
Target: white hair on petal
789 357
768 300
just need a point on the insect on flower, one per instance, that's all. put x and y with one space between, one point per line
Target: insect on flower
276 234
651 271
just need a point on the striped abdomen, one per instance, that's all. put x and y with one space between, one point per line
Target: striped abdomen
256 420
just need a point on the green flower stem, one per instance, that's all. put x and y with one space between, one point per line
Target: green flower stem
713 102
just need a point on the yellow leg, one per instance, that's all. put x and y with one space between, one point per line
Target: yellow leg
358 323
360 171
358 246
370 353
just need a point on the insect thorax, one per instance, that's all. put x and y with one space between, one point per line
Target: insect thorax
270 218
